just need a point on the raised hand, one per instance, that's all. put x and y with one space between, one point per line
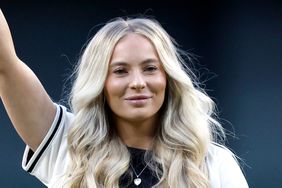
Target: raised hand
27 103
7 50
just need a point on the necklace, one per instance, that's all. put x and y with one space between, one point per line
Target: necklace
137 180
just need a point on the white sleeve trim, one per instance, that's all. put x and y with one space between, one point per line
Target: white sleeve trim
29 164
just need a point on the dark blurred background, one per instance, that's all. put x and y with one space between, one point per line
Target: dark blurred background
238 46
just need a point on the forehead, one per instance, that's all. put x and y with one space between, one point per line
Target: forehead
134 47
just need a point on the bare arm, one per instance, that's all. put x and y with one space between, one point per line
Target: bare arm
26 102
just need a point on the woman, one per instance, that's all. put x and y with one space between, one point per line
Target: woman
138 119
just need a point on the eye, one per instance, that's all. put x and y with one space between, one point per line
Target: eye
151 68
120 71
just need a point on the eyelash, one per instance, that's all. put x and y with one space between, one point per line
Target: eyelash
121 71
151 68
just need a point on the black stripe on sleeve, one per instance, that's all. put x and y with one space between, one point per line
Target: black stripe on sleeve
47 143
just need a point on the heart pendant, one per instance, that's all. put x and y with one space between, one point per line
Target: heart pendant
137 181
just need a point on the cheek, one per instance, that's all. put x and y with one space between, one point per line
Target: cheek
159 85
113 89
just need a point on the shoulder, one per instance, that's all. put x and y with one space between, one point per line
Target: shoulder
50 158
219 157
223 167
217 152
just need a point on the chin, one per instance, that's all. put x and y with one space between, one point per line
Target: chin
138 116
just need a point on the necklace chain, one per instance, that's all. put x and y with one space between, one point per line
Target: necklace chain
140 172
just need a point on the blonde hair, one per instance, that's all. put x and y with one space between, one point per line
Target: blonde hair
98 157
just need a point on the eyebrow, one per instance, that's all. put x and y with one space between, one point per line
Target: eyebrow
147 61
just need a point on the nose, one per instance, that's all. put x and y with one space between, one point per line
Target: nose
137 82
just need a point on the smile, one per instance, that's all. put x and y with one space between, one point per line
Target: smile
138 100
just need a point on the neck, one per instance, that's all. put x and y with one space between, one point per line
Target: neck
137 134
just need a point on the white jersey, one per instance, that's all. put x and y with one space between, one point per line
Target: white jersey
48 163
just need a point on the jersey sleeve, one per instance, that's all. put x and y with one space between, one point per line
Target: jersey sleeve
50 156
224 170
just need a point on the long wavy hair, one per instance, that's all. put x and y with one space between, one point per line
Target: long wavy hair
188 125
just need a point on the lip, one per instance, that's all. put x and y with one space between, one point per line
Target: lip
138 97
138 100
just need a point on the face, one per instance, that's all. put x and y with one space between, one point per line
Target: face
136 82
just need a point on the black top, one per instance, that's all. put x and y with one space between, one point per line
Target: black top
148 177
